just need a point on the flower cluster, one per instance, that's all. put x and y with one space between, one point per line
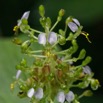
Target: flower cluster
53 74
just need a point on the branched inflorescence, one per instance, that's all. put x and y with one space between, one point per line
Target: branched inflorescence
52 76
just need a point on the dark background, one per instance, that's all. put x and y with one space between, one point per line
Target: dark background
88 12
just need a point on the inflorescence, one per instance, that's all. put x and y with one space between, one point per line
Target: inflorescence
53 75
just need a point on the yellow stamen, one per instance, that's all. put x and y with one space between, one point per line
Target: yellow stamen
86 35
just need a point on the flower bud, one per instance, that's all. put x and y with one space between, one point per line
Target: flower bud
94 84
82 54
62 40
61 12
41 10
86 61
87 93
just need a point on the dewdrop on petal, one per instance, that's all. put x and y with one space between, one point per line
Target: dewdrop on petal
39 93
42 38
25 15
18 74
69 96
61 97
52 39
30 92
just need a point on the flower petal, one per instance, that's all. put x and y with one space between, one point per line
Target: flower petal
87 70
61 97
73 26
76 21
70 96
30 92
42 38
18 74
39 93
25 15
52 38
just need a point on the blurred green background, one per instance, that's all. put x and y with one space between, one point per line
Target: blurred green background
88 12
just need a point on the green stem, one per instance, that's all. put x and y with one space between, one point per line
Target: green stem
54 25
38 51
36 31
38 56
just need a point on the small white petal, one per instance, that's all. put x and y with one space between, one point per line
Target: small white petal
73 27
39 93
30 92
87 70
52 38
70 96
42 38
76 21
18 74
61 97
25 15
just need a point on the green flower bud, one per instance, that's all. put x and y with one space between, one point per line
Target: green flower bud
86 61
75 46
61 32
83 84
24 28
71 36
25 45
61 12
94 84
41 10
17 41
18 67
48 22
23 62
88 93
82 54
24 21
62 40
69 19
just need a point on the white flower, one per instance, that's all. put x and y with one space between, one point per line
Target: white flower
25 15
69 96
30 92
52 38
18 74
42 38
39 93
73 25
87 70
61 97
